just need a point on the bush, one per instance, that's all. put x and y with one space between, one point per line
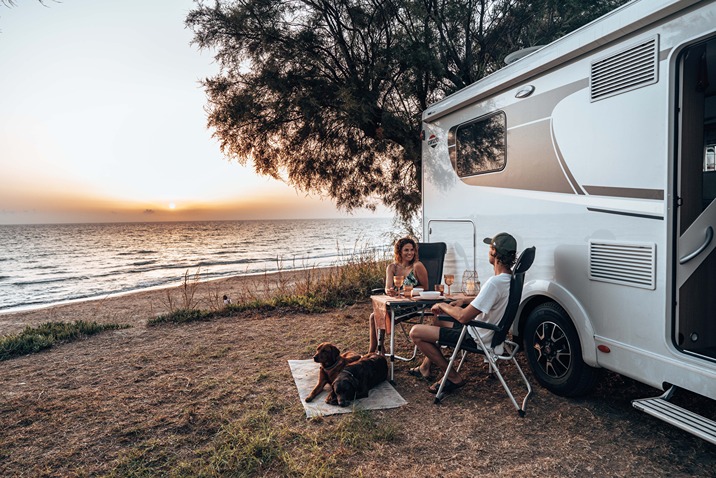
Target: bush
35 339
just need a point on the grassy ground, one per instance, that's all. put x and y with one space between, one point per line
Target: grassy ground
215 397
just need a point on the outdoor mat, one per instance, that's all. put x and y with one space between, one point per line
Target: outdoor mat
305 374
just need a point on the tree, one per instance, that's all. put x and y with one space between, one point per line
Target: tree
327 94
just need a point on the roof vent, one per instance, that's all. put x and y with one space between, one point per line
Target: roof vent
626 70
623 263
516 55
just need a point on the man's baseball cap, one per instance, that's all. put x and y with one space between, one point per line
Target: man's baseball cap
503 243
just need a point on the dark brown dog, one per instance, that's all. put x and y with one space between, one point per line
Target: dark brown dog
358 378
332 363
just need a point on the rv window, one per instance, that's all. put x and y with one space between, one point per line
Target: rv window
478 146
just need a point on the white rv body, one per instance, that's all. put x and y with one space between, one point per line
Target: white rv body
595 169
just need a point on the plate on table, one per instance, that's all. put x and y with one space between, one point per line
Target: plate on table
430 295
417 291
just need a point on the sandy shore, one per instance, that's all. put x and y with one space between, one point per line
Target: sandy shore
136 308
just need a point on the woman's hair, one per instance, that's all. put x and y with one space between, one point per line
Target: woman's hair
506 259
400 243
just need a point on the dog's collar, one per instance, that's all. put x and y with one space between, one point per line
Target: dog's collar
332 366
348 372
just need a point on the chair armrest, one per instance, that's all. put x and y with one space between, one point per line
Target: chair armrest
483 325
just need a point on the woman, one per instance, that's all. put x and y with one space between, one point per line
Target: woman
405 264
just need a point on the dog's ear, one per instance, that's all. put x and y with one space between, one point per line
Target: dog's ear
333 353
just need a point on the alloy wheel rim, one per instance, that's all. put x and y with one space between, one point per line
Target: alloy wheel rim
554 355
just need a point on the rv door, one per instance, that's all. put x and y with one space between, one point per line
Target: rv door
694 214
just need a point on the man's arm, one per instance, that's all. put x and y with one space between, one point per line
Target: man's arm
463 316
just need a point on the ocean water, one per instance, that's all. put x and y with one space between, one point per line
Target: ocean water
47 264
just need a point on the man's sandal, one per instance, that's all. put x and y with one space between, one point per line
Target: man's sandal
448 388
415 372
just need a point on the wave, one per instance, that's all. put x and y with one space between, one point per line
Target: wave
53 281
44 267
134 253
143 263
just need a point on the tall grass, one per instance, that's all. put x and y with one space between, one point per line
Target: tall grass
35 339
313 290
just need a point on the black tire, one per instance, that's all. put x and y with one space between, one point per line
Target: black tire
555 354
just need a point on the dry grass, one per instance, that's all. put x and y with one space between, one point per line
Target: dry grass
216 398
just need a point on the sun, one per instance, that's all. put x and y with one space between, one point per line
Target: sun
172 205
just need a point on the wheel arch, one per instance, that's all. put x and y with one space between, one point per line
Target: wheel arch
538 292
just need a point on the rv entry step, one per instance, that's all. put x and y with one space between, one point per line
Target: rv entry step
661 408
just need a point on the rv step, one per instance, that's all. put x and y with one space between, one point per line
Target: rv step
691 422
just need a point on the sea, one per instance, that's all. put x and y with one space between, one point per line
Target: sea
43 265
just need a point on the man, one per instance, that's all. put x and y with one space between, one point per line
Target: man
490 305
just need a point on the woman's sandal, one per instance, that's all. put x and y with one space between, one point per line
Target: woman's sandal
415 372
448 388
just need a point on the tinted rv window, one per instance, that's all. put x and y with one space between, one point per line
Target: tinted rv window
478 146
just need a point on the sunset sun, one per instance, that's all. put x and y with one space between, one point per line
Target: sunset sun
172 205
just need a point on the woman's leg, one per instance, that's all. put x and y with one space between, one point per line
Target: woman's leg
373 335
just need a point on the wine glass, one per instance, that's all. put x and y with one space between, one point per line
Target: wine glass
449 280
398 282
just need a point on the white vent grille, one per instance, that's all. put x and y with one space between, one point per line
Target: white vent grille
626 264
625 71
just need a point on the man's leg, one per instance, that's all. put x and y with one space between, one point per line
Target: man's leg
426 338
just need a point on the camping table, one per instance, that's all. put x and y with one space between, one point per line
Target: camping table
390 311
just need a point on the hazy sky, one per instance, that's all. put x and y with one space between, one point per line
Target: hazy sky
102 118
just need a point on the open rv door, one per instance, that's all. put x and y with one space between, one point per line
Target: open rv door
694 214
693 217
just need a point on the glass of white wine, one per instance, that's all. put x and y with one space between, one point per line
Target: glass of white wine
398 283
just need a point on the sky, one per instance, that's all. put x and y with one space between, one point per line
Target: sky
102 118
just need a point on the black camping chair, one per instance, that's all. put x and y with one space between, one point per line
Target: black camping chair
432 255
500 349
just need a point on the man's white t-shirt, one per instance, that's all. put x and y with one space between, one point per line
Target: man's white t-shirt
492 302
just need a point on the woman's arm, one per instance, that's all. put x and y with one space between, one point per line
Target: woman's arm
389 273
421 273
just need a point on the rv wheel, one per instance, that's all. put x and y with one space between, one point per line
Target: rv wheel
554 353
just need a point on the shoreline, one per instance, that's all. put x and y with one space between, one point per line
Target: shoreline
136 307
34 307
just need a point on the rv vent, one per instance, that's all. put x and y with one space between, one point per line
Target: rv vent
627 264
625 71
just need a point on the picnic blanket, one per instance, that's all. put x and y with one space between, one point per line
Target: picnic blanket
305 374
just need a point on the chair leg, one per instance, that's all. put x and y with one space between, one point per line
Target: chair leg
496 370
443 382
462 359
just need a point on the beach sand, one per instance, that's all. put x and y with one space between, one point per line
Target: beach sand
182 400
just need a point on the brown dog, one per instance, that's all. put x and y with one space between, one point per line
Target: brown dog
356 379
332 362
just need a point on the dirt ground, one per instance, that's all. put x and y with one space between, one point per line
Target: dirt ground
76 409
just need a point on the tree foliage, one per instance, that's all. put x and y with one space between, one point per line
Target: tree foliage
327 94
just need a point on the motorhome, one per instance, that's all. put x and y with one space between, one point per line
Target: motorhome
597 149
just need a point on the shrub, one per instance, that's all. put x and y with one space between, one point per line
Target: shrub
35 339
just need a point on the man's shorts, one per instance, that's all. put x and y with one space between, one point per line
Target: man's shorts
450 336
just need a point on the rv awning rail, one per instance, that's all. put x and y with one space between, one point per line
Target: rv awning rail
627 19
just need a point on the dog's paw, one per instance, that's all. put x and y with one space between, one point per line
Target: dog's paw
309 398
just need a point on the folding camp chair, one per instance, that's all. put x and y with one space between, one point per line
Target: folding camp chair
432 255
500 349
